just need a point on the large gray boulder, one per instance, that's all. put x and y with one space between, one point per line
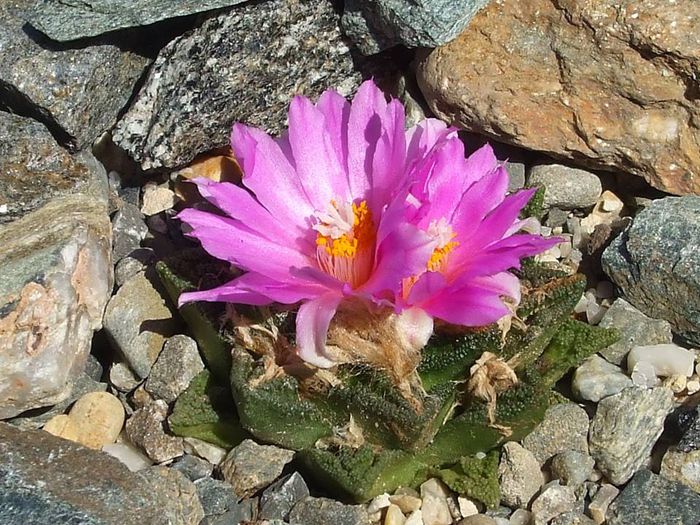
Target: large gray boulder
55 264
656 263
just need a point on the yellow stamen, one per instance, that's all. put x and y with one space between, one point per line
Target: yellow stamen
343 239
437 259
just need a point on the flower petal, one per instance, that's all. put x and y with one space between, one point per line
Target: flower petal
312 323
231 240
268 173
239 204
317 166
253 288
336 112
365 125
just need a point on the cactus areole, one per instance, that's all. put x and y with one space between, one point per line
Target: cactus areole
349 213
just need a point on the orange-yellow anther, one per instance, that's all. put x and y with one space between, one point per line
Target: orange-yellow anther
437 259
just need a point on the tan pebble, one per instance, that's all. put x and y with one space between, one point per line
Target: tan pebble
394 516
99 417
415 518
406 503
62 426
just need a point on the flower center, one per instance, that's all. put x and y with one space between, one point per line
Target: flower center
442 232
345 242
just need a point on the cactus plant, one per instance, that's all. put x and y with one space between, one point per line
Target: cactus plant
395 441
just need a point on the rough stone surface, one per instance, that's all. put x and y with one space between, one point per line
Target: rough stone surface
145 430
321 511
178 363
193 467
77 92
244 65
435 509
625 428
566 188
656 265
650 499
596 379
565 427
77 484
138 321
375 25
519 475
128 229
555 499
572 518
635 329
73 19
600 502
55 269
572 467
183 506
279 499
607 84
133 263
683 467
250 467
216 496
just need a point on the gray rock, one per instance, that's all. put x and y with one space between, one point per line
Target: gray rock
280 497
137 320
250 467
93 368
566 188
122 377
216 496
128 229
72 19
555 499
375 25
33 421
683 467
183 506
596 379
478 519
519 475
55 269
244 65
46 480
178 363
556 217
193 467
572 467
76 92
649 499
145 430
572 518
656 265
565 427
243 512
690 430
636 329
133 263
321 511
625 428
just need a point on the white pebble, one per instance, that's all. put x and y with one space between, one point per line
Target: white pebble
467 507
692 386
581 305
378 503
415 518
666 359
644 375
129 455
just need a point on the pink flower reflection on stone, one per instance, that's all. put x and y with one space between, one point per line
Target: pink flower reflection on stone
349 214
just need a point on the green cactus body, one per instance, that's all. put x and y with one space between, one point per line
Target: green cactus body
401 438
386 417
273 410
205 411
199 317
474 477
360 474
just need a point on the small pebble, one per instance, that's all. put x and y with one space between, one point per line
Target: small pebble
601 501
467 507
435 509
157 199
193 467
554 499
415 518
406 503
378 503
128 454
212 453
145 430
62 426
521 517
394 516
99 416
667 359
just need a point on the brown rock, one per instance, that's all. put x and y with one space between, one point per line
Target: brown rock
607 84
145 430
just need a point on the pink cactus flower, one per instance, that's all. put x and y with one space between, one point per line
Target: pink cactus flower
349 204
463 205
317 221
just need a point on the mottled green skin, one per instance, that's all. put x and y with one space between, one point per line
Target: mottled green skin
204 411
402 441
476 478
